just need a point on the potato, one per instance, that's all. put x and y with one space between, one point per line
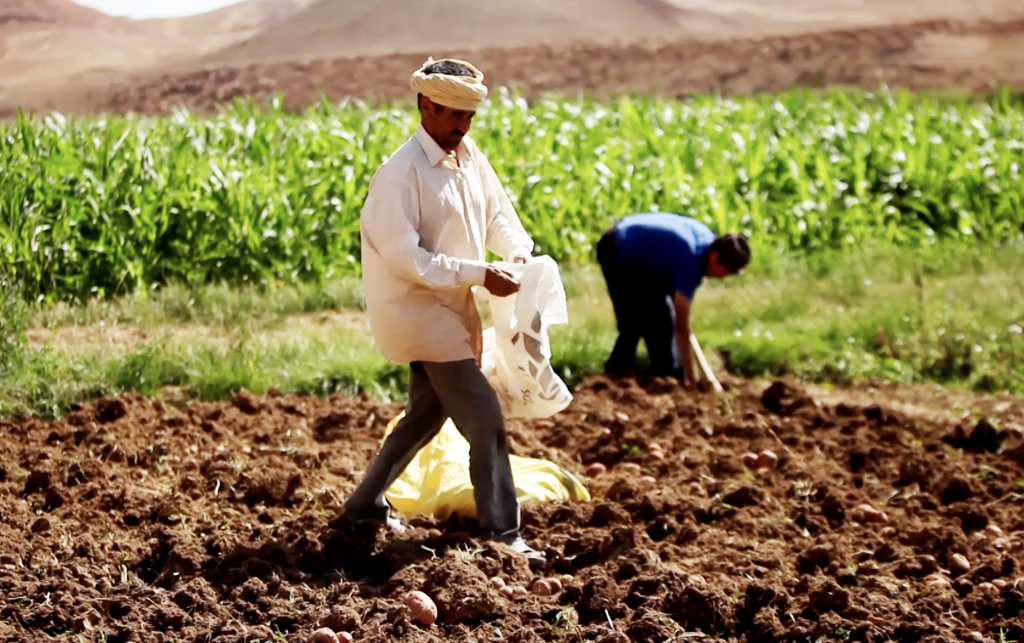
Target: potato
1000 584
867 514
508 592
935 580
631 467
520 592
958 564
555 584
567 580
497 582
596 469
324 635
345 637
422 607
987 588
541 588
750 460
767 460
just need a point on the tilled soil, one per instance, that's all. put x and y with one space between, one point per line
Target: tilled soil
133 520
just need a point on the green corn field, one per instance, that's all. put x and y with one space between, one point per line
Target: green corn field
109 206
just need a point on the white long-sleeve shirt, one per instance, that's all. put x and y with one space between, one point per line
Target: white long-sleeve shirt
425 226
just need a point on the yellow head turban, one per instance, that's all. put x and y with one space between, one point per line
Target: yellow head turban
456 92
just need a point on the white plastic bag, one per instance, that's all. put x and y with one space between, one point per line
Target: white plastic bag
516 349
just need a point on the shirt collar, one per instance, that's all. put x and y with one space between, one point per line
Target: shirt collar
435 154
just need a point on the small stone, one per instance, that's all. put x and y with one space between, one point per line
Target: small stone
648 479
1000 584
621 417
750 460
657 455
596 469
767 460
654 446
877 621
697 580
497 582
986 588
40 526
605 435
631 467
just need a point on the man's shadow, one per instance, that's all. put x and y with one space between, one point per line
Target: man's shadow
361 553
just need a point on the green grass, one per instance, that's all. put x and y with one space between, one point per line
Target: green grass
950 314
125 205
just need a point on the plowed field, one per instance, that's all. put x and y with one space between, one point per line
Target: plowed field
135 520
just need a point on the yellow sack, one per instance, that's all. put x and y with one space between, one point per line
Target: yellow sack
436 483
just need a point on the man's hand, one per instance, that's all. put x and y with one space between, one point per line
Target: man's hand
500 283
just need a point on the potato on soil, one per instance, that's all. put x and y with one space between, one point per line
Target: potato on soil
867 514
519 592
508 592
345 637
596 469
422 607
324 635
958 564
750 460
631 467
497 582
541 588
555 584
566 579
1000 584
767 460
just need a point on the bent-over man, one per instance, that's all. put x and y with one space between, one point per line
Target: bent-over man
432 211
653 264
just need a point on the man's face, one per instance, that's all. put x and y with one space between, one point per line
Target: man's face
716 269
447 126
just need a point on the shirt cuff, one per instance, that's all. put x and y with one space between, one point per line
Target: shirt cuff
472 273
518 251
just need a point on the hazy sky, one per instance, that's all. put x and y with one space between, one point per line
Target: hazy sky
155 8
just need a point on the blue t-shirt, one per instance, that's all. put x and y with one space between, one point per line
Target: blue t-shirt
668 247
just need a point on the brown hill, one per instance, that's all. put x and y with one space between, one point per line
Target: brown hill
333 28
48 12
46 41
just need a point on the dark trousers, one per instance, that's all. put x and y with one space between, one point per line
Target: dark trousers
437 391
643 310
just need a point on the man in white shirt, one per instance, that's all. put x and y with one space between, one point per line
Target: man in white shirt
433 210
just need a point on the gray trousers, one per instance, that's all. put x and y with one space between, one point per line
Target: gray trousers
438 391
